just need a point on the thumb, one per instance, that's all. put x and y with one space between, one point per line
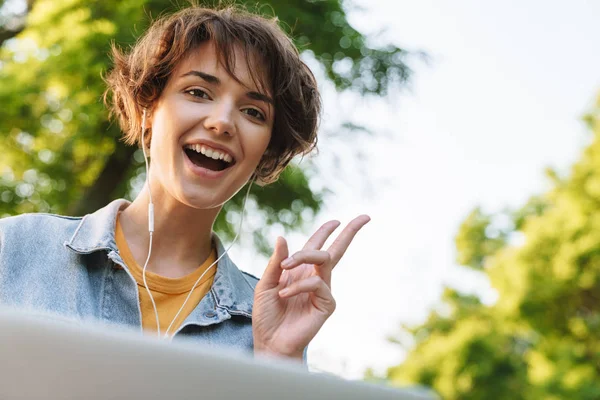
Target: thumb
273 271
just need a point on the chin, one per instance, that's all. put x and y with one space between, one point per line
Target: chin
202 198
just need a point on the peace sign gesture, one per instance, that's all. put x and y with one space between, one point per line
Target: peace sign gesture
293 299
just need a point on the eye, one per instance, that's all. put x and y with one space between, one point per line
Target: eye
198 93
253 112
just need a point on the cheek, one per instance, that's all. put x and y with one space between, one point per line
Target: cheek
259 146
164 142
169 122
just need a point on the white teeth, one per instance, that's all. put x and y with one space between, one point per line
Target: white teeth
208 152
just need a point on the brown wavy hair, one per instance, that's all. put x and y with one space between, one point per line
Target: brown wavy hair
140 75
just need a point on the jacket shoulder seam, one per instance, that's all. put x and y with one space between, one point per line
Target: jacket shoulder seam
27 215
246 275
67 217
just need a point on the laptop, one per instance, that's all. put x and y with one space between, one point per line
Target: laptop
42 358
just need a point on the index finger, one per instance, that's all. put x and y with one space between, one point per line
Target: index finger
341 243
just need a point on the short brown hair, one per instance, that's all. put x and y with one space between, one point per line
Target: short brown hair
140 75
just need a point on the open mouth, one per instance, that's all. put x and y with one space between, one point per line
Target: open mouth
205 157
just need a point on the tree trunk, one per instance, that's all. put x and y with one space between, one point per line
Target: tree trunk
103 190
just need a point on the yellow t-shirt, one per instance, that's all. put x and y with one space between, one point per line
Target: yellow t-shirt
169 293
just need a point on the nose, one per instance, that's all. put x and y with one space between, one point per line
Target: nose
220 120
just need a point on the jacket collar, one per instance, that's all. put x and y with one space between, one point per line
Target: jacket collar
96 231
231 289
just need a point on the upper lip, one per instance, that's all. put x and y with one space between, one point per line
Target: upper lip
214 146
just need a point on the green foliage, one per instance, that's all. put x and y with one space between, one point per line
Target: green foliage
539 340
321 27
61 154
474 241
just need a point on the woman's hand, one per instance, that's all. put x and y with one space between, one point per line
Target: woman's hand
293 299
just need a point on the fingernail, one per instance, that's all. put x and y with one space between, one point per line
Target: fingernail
283 292
287 262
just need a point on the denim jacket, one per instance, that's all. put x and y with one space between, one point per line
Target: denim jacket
71 267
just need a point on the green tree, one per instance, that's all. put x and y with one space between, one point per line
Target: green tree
539 340
60 153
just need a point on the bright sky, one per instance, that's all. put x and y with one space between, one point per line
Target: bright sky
500 101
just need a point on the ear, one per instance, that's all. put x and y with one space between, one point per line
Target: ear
255 180
260 182
149 117
144 122
146 128
148 114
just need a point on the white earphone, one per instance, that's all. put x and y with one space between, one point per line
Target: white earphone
151 232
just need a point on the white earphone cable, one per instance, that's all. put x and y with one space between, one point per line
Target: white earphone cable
150 223
151 231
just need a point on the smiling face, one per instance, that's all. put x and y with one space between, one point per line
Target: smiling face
209 131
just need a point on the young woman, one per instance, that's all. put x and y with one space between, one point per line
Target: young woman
218 98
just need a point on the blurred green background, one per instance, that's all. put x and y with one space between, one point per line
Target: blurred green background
59 153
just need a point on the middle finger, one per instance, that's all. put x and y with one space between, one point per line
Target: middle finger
318 239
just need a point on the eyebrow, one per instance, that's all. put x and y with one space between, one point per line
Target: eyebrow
214 80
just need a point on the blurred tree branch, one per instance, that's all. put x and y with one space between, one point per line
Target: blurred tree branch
14 24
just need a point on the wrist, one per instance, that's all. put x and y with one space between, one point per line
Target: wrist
266 352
